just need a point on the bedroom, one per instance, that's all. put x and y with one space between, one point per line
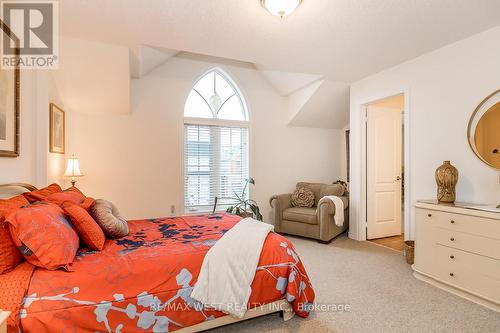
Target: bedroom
119 94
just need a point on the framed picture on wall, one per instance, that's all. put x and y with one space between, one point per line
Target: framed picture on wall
9 102
57 129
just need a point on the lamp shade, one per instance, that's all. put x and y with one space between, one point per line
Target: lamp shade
280 7
73 168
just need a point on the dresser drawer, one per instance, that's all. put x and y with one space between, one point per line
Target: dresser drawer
463 223
471 243
475 273
460 249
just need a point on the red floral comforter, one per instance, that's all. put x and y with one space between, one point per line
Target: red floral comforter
143 282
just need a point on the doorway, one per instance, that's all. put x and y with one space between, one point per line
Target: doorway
384 144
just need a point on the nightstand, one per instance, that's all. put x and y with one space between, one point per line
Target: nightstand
3 321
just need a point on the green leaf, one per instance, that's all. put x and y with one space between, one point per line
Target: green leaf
256 211
242 205
259 215
237 196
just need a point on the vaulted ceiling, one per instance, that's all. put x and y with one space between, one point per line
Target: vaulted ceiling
327 42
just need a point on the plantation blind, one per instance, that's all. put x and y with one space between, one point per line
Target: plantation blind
215 165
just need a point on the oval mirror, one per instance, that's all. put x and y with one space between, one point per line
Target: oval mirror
484 130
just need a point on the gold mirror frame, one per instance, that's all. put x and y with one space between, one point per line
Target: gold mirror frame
470 135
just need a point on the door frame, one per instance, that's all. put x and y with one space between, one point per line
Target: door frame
362 220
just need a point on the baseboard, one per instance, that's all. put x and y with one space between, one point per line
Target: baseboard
353 236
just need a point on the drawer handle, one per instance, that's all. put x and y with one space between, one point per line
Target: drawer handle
452 239
451 274
452 222
452 257
429 215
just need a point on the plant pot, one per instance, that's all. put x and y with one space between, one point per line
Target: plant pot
245 214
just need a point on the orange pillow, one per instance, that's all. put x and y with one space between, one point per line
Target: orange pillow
39 195
10 256
88 229
44 235
87 203
69 196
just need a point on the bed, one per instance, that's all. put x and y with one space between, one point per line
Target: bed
143 282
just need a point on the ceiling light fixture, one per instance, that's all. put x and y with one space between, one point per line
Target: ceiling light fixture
280 8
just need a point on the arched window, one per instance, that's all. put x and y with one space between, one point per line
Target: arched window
215 142
215 96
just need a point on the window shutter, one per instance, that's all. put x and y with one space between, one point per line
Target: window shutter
215 165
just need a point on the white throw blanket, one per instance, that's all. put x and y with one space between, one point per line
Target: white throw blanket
229 268
339 209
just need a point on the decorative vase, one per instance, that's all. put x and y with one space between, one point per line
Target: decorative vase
446 179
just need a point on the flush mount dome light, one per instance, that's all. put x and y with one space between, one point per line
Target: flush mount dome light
280 7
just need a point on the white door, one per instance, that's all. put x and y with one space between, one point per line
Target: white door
384 171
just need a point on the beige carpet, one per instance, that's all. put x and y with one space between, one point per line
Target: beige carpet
382 293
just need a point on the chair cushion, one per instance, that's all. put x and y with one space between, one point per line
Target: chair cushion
333 189
303 197
301 214
107 216
314 187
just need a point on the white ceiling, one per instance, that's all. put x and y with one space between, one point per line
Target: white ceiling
309 57
344 40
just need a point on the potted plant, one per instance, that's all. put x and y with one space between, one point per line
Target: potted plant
241 206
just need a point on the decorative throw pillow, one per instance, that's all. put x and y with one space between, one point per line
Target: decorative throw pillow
87 203
67 197
107 216
44 236
303 197
344 185
88 229
10 256
333 189
39 195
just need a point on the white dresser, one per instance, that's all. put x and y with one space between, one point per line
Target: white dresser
458 249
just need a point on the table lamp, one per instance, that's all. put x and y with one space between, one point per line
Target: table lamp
73 169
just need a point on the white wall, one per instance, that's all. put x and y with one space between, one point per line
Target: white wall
22 168
93 76
35 165
135 160
444 87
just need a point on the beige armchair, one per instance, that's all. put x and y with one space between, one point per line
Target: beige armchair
316 222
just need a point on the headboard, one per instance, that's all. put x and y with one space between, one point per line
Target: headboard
14 186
